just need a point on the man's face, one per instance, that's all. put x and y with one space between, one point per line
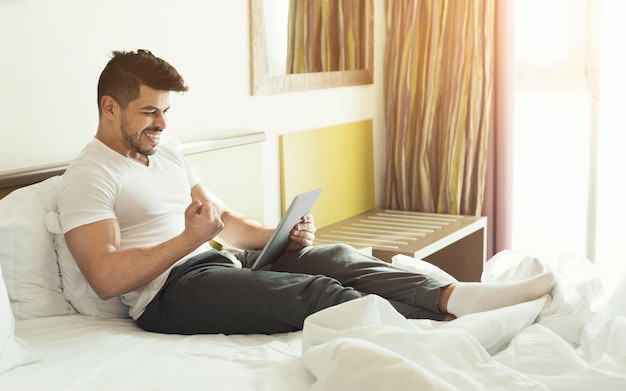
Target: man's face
144 119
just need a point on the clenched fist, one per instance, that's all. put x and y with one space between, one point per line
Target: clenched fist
203 220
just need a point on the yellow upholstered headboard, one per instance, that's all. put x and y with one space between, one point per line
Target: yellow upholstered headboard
340 160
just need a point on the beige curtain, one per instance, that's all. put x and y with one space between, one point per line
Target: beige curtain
326 35
438 84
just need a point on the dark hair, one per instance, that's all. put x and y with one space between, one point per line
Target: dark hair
127 71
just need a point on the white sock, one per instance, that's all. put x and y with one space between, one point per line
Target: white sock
471 297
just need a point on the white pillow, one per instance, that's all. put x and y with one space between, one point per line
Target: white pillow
12 349
76 289
27 254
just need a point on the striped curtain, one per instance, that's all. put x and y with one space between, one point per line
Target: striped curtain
438 67
326 36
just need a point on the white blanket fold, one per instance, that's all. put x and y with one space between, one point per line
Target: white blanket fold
551 343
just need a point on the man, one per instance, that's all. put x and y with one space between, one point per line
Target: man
137 221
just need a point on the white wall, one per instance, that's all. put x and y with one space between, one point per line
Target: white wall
52 52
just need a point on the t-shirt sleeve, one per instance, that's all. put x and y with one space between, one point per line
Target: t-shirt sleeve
86 196
192 176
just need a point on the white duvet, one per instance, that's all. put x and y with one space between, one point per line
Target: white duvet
553 343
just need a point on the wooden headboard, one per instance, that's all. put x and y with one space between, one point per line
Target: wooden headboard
340 160
14 179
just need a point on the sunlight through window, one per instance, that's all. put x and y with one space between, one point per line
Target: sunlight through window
541 30
569 139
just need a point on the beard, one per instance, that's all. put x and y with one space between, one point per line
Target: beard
134 142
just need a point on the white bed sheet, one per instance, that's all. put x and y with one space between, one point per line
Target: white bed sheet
82 353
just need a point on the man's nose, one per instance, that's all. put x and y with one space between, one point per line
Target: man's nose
160 121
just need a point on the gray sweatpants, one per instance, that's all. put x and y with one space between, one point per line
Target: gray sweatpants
209 295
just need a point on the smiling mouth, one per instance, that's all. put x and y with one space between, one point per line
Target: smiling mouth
153 136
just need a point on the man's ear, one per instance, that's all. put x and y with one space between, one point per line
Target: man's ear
109 107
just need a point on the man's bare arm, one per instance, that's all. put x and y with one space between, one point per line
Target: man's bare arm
244 233
239 231
112 271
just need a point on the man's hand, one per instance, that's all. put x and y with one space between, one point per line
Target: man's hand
203 221
302 234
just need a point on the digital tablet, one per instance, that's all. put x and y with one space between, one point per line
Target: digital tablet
279 240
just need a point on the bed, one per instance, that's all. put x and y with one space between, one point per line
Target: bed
572 340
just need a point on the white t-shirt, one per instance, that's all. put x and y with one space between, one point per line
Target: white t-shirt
148 202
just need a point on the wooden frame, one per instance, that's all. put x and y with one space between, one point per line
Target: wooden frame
261 83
